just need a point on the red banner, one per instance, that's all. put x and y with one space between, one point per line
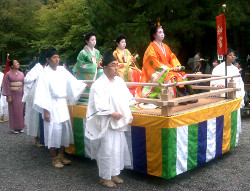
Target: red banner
221 34
7 68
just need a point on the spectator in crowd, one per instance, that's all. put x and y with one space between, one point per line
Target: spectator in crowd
13 89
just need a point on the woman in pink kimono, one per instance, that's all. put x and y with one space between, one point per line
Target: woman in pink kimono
13 90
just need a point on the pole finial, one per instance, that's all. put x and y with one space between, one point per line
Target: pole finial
224 6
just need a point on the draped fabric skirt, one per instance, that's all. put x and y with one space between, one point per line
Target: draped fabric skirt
112 153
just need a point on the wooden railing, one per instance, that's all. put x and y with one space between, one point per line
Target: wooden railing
167 101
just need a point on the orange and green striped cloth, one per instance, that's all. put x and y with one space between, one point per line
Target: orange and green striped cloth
168 146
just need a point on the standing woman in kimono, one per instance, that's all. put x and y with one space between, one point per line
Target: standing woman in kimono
128 71
88 63
13 90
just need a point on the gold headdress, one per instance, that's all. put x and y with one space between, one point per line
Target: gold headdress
158 23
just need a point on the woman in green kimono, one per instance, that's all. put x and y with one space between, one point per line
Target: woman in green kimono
88 63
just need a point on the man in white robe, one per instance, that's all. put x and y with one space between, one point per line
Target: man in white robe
108 116
231 70
31 118
53 86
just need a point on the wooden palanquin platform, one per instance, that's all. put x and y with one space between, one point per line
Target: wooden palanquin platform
166 146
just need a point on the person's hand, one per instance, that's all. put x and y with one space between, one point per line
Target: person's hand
9 99
46 116
116 115
221 86
99 65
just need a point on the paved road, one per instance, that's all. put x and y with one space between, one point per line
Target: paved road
25 167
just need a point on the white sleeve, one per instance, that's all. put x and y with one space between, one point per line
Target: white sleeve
217 71
32 75
74 88
42 96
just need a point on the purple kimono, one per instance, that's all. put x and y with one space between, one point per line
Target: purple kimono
13 86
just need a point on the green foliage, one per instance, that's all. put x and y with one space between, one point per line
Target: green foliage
29 26
62 25
189 25
16 28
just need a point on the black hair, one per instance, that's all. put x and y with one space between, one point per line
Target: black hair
240 62
229 50
88 35
11 63
108 58
153 31
51 51
120 37
215 60
42 57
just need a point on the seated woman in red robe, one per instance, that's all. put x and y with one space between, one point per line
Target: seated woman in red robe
160 65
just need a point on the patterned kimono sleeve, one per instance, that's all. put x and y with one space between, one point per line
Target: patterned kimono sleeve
151 62
116 55
74 88
129 57
173 59
84 64
99 55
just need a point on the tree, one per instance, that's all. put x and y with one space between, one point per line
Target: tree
188 25
62 24
17 28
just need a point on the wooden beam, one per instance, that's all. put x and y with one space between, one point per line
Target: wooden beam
146 100
172 84
232 84
202 75
196 96
198 81
204 87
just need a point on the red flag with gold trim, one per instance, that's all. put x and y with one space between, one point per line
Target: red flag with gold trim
221 34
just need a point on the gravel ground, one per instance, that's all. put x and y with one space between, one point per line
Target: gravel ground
25 167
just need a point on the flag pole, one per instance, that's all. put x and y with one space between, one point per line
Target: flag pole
224 11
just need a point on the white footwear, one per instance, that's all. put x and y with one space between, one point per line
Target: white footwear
15 132
21 131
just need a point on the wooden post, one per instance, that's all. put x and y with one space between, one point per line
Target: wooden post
166 96
232 84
